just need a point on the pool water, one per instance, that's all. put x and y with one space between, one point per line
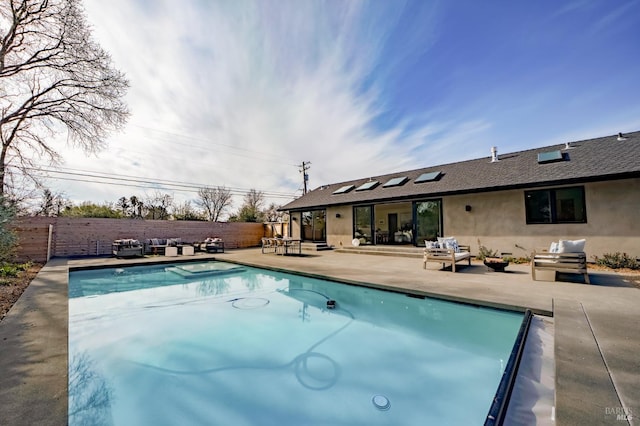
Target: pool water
221 344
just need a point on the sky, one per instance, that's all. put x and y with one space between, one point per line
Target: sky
238 93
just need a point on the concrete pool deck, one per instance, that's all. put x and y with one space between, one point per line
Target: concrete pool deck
597 333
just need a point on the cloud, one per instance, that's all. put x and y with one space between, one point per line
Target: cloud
239 93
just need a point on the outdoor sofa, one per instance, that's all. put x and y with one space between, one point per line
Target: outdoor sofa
127 248
446 251
159 245
212 245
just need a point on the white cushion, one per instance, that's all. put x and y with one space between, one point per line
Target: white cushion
553 248
461 255
571 246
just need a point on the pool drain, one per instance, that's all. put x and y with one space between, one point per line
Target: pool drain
381 402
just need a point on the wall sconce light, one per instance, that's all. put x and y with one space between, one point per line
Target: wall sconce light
338 216
467 208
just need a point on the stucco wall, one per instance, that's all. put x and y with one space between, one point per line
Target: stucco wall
339 229
498 221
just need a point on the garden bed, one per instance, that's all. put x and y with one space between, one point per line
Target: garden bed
11 288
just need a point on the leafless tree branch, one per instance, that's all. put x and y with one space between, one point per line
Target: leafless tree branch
54 79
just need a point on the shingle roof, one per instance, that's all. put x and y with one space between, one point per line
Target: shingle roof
604 158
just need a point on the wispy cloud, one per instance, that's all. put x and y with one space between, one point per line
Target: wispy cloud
216 84
238 93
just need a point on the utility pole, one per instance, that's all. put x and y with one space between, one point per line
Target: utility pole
303 169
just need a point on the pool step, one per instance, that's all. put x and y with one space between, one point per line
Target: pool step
315 246
404 251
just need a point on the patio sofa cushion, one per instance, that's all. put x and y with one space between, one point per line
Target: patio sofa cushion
449 243
569 246
566 262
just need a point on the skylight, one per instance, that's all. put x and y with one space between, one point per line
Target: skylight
428 177
343 189
395 182
550 157
368 185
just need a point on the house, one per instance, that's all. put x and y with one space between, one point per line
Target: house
513 203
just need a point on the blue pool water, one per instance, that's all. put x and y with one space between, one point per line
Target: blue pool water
221 344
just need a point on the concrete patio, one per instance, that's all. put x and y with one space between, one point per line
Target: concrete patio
597 338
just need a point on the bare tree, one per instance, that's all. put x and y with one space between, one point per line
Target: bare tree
214 201
54 78
158 205
185 211
271 214
251 210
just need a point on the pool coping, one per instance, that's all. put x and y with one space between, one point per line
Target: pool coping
596 343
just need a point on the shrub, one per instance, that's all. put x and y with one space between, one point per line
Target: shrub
484 252
13 269
617 260
517 260
8 237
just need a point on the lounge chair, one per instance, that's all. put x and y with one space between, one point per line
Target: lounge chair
564 256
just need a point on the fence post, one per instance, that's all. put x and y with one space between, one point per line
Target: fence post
49 242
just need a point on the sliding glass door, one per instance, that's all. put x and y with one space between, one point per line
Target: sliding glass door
428 220
363 224
314 226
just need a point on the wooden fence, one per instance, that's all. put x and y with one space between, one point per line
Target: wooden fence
76 237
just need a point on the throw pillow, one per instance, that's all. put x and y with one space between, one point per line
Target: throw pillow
571 246
431 244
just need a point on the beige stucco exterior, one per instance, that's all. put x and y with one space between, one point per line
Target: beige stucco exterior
497 220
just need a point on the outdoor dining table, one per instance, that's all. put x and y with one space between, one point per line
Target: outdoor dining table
291 246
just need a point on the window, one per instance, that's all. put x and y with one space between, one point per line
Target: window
343 189
367 186
395 182
428 177
561 205
550 157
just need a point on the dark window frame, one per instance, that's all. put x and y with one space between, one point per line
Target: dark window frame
554 214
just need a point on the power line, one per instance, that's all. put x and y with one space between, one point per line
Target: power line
145 183
258 154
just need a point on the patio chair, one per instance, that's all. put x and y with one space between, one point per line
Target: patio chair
268 244
564 256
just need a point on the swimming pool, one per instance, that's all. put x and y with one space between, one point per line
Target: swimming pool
219 343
